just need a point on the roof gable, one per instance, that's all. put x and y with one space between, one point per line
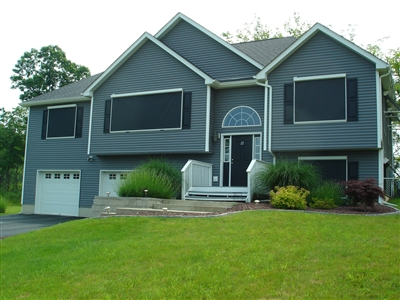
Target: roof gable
131 50
380 65
179 17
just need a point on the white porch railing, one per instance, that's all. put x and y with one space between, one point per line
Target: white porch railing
252 170
195 173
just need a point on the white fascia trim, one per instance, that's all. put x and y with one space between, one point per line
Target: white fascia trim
208 112
171 24
147 93
319 77
309 34
61 106
233 84
54 101
131 50
26 150
322 158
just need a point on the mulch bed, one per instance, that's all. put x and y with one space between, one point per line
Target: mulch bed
376 210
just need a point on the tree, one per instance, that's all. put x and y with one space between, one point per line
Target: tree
255 30
38 72
12 147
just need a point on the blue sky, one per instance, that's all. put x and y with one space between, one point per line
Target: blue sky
95 32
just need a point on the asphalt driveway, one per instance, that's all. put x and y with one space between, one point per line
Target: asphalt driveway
15 224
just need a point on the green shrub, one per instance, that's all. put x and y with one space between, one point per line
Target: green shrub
3 205
326 203
329 190
289 197
164 167
286 173
157 185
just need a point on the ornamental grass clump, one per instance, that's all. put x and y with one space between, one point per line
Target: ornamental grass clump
146 183
289 197
327 195
365 192
288 173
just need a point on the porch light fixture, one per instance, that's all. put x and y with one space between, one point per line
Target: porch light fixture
216 136
90 158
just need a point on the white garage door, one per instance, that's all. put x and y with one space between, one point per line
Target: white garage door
109 181
57 193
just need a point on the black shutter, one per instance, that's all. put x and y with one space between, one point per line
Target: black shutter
79 122
352 100
288 103
44 124
187 108
353 170
107 116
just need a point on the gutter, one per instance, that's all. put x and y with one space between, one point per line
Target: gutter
268 103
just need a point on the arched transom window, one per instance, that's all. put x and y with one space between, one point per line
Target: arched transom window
241 116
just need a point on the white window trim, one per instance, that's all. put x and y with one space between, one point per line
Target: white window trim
60 107
141 94
223 121
314 78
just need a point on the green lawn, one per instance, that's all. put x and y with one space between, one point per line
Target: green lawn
12 209
249 255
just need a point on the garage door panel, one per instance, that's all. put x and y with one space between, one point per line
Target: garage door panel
58 193
109 181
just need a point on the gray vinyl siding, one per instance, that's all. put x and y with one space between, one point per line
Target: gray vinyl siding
206 53
323 56
367 159
151 69
53 154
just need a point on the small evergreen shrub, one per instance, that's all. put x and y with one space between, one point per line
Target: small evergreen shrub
326 203
366 191
288 173
157 185
289 197
329 190
3 205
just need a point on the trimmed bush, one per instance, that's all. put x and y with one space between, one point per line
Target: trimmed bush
326 203
286 173
3 205
329 190
157 185
289 197
366 191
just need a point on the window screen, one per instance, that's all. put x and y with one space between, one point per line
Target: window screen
331 169
320 100
146 112
61 122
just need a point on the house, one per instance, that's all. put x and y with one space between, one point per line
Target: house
218 111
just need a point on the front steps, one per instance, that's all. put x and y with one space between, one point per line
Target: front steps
217 193
126 205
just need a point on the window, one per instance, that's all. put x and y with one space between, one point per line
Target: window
227 149
62 122
57 176
66 176
76 176
48 176
112 176
328 98
241 116
170 109
257 147
336 168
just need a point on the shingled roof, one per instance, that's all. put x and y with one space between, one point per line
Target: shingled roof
265 51
72 90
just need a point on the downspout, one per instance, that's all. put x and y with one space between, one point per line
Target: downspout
380 135
268 103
